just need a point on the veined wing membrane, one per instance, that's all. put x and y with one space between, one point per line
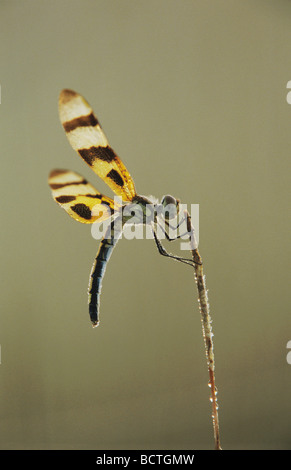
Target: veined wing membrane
88 139
79 198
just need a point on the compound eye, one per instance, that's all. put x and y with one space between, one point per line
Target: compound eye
168 199
170 207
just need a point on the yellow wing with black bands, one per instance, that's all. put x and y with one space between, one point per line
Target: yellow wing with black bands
88 139
79 199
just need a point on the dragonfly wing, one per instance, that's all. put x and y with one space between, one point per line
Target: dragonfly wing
79 198
88 139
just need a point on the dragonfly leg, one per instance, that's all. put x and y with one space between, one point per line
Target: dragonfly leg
172 228
164 252
177 226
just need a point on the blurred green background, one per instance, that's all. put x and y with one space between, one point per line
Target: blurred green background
192 96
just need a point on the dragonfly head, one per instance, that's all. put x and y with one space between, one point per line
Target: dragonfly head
170 207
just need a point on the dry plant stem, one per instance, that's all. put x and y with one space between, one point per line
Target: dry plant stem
206 327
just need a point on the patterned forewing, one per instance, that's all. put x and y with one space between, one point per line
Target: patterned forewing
79 199
88 139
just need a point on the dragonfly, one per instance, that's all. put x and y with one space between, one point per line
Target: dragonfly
87 205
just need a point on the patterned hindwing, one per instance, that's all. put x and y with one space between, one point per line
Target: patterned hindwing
79 199
88 139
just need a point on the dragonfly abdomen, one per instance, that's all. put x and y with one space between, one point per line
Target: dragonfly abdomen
97 273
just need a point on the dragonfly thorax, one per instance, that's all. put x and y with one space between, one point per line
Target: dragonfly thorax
142 210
